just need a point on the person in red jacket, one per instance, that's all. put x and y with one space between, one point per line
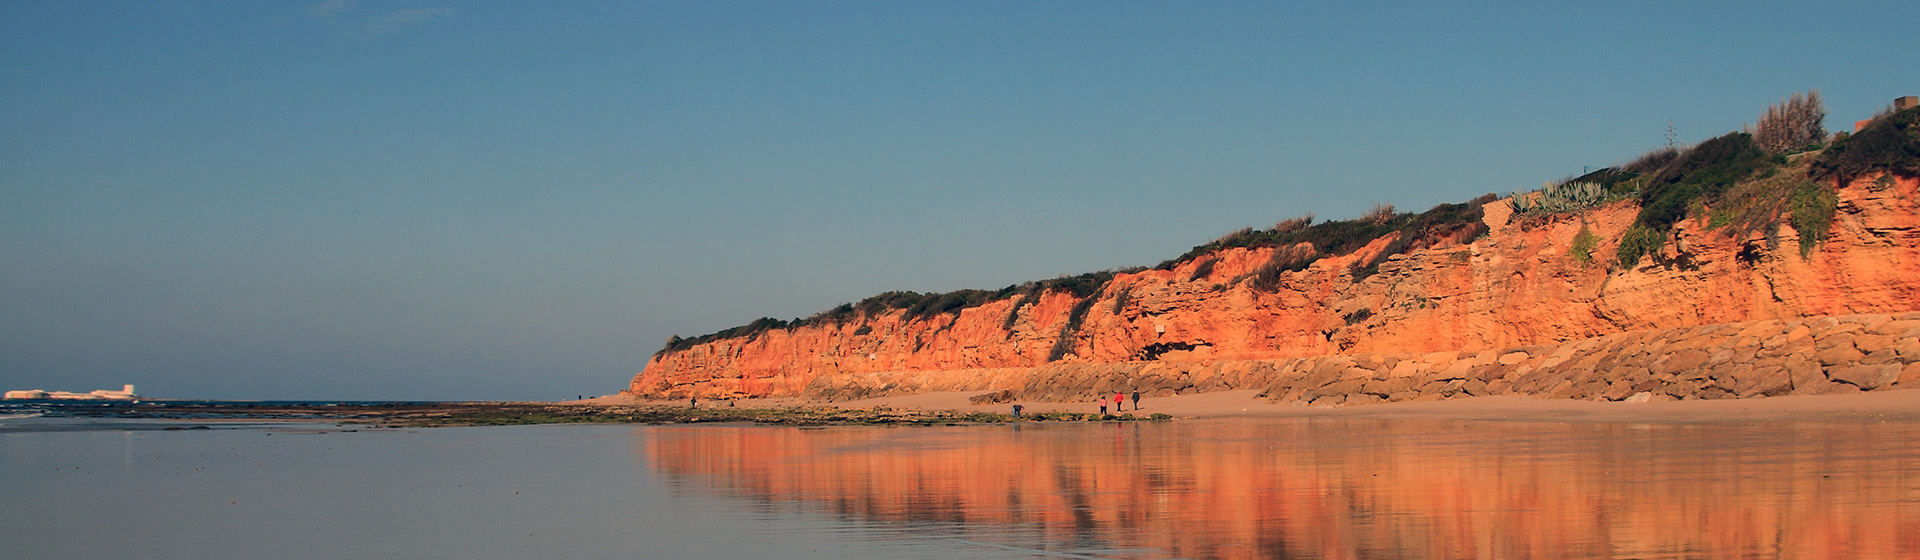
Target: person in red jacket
1118 400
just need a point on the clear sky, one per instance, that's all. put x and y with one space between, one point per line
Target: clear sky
494 200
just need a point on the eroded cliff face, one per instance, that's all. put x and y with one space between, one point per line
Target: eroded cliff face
1520 285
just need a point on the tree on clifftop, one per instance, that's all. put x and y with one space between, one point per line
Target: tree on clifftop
1793 124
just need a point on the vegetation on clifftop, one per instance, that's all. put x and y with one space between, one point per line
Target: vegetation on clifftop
1793 125
1695 178
1742 179
1299 242
1745 182
1890 144
917 306
1703 172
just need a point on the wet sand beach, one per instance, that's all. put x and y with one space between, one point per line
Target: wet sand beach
1883 405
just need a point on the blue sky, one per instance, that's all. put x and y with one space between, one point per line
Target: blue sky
492 200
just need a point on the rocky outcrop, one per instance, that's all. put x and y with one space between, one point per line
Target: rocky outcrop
1511 300
1817 356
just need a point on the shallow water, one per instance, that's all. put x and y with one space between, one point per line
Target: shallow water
1269 488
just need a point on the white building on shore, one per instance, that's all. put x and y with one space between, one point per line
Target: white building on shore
124 394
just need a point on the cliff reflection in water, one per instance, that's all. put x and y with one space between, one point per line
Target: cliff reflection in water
1346 488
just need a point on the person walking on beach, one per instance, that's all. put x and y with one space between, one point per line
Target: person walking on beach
1136 399
1119 401
1103 406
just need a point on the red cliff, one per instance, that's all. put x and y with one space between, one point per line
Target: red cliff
1519 285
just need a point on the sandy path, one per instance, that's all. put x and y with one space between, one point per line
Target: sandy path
1901 405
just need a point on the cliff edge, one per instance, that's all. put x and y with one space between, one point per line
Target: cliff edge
1580 260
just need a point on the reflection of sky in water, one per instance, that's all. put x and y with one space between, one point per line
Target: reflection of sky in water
1319 488
515 492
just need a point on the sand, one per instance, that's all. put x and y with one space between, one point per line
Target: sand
1903 405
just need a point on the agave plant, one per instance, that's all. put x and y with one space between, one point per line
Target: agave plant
1552 198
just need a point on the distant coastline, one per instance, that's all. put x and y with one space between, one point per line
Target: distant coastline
125 393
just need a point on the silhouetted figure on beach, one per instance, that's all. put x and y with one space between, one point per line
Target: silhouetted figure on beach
1136 400
1016 411
693 402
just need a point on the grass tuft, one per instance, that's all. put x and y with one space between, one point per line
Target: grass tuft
1637 242
1204 270
1813 209
1583 245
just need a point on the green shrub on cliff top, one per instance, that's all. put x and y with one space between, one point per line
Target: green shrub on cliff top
1889 144
1083 285
1621 180
1701 173
1328 238
917 306
1692 181
1443 223
1457 222
749 330
951 302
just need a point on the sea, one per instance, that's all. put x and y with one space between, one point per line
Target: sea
79 482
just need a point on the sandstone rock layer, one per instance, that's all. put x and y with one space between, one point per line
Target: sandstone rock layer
1815 356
